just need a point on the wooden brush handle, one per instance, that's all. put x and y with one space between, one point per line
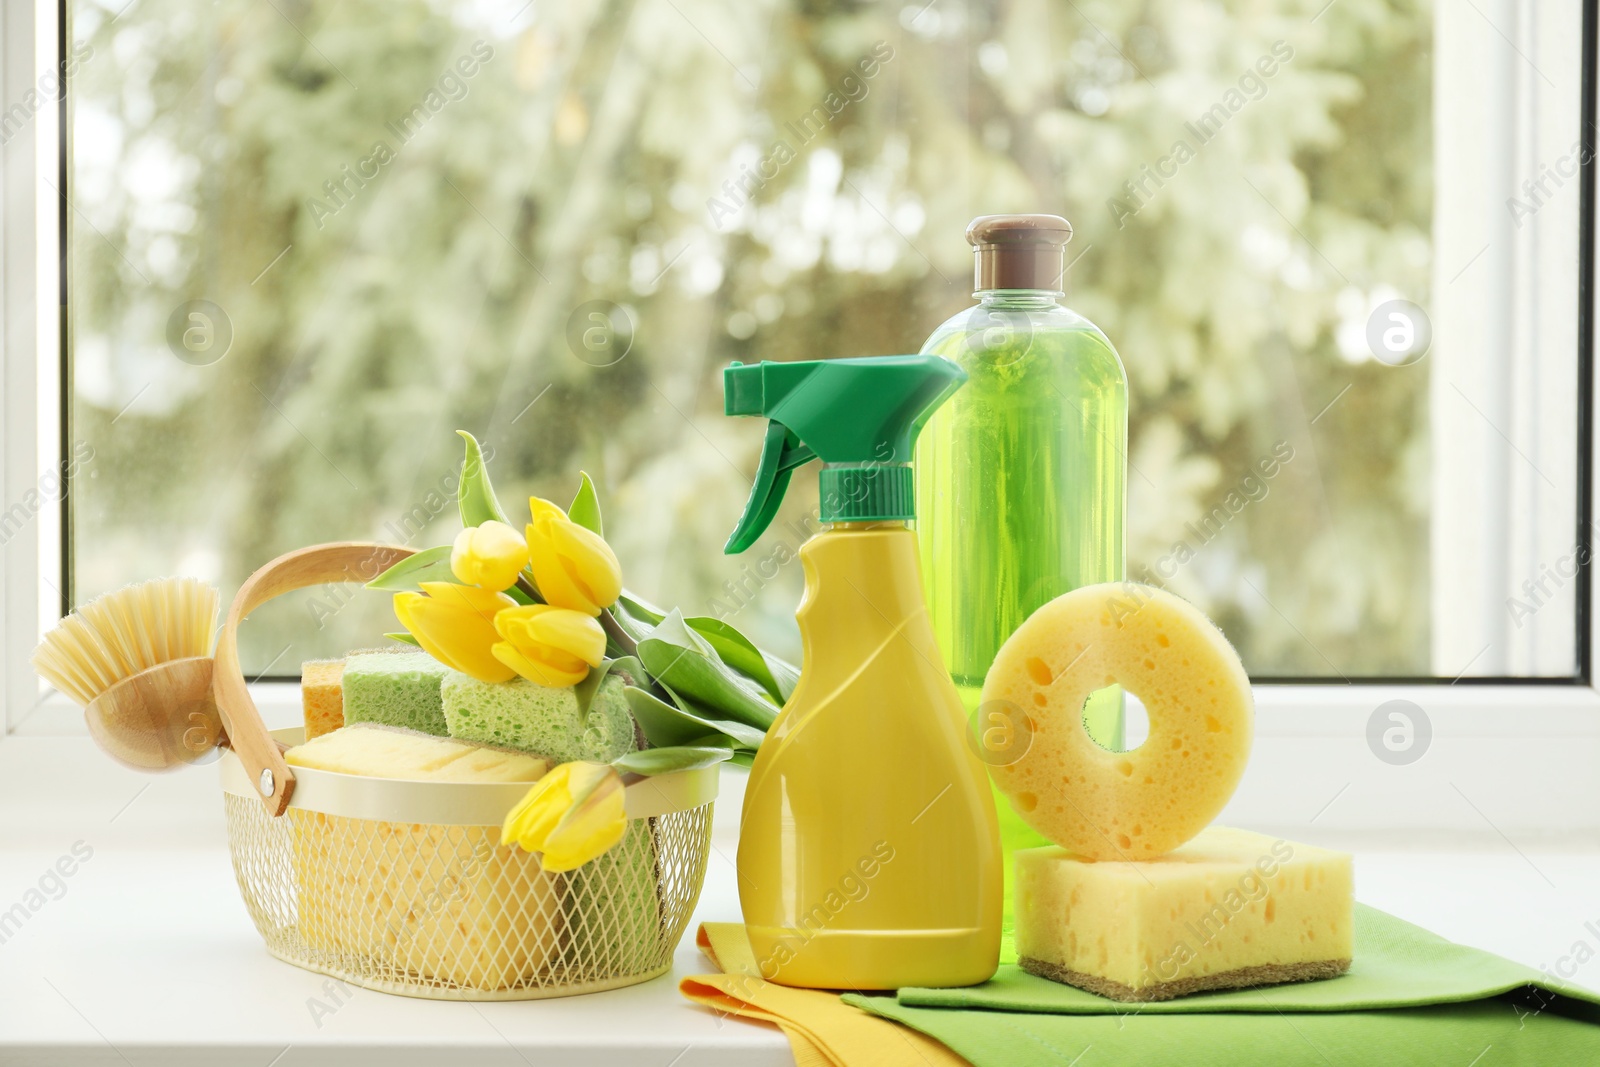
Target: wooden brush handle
344 561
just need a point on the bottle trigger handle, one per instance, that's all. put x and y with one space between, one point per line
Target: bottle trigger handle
782 453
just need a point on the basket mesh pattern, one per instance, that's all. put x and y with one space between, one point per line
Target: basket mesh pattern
447 912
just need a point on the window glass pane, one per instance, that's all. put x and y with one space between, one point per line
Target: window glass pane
310 239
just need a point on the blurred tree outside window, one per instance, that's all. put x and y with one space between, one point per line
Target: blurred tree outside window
309 239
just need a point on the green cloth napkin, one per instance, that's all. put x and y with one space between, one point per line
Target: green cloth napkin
1411 997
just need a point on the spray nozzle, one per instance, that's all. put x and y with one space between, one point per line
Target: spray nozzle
859 416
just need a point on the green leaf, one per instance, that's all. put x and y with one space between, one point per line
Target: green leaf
672 724
679 658
741 757
429 565
652 761
708 741
585 690
641 609
743 738
739 652
585 509
475 495
404 638
786 674
635 620
777 677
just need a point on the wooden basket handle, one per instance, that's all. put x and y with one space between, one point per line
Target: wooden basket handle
344 561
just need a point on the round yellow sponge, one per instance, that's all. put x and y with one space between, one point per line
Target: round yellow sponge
1132 805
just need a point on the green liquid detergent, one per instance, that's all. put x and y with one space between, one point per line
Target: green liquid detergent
1021 479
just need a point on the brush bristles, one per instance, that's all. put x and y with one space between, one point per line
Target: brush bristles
122 633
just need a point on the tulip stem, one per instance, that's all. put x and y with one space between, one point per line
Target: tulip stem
615 632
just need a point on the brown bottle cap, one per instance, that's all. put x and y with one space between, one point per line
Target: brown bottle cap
1020 251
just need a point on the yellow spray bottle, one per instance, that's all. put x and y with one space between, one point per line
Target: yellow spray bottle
869 856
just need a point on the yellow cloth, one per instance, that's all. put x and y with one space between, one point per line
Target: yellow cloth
823 1030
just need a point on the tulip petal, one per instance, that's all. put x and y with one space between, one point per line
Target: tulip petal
522 820
549 645
550 574
402 608
512 623
585 777
484 602
574 813
490 556
540 817
540 508
454 624
552 675
573 632
592 826
411 609
461 562
590 563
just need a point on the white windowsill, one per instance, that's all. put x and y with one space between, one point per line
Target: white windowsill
1513 761
148 956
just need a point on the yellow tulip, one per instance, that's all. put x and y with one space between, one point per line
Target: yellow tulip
572 566
549 645
489 556
571 815
455 625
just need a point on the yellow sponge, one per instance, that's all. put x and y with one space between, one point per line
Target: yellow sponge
1122 805
1229 909
448 903
377 751
322 695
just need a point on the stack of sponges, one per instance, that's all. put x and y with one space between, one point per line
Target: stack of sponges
1144 901
445 902
374 887
411 689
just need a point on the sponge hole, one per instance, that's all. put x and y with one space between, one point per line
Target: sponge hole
1115 719
1135 723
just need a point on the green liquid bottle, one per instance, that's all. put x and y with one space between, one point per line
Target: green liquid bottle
1020 478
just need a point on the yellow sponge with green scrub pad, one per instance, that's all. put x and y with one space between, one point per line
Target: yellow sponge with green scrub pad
529 717
448 903
395 689
1228 910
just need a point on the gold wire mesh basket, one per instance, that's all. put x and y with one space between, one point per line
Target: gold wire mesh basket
404 887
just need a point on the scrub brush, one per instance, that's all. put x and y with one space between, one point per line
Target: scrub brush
139 662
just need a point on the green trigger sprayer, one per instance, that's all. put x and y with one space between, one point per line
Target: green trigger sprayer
868 852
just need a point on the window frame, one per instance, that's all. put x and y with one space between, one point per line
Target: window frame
33 166
1531 737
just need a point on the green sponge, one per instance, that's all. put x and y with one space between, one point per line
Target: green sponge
533 718
395 689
